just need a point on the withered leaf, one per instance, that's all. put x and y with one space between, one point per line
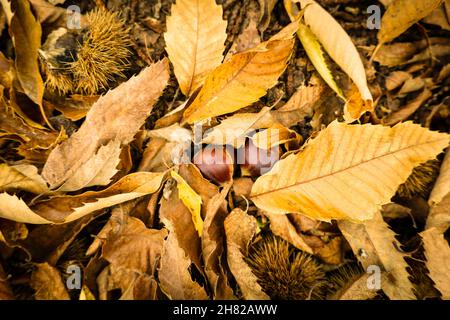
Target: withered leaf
173 274
406 111
240 229
63 209
21 177
118 115
340 162
5 289
48 283
243 79
442 186
373 243
402 14
437 252
196 48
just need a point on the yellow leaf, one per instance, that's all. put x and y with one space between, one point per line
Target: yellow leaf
374 244
442 186
21 177
65 209
336 43
355 106
191 200
313 50
402 14
234 130
437 253
195 39
347 171
244 78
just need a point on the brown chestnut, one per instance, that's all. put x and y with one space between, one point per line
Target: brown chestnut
257 161
215 163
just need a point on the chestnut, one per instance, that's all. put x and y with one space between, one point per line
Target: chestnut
256 161
215 163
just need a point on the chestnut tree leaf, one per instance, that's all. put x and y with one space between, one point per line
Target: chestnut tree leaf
118 116
196 48
62 209
244 78
347 171
374 244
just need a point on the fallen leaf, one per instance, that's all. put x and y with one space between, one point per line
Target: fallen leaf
396 79
437 252
406 111
442 185
337 44
300 105
265 11
213 246
402 14
249 38
48 284
355 106
5 289
240 229
191 200
340 162
26 35
438 17
355 289
133 252
97 171
197 48
235 129
282 227
173 274
313 49
243 79
439 215
374 244
21 177
64 209
115 116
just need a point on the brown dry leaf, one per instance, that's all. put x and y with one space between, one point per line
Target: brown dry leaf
48 13
392 55
373 243
21 177
402 14
64 209
338 44
265 11
355 106
299 106
5 289
396 79
439 215
437 252
442 186
356 289
234 130
191 200
244 78
274 136
48 284
282 227
36 143
406 111
439 17
247 39
133 252
341 162
118 115
173 274
98 170
213 246
26 35
240 229
196 48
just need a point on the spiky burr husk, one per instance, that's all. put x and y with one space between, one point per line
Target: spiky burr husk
87 61
420 181
286 273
